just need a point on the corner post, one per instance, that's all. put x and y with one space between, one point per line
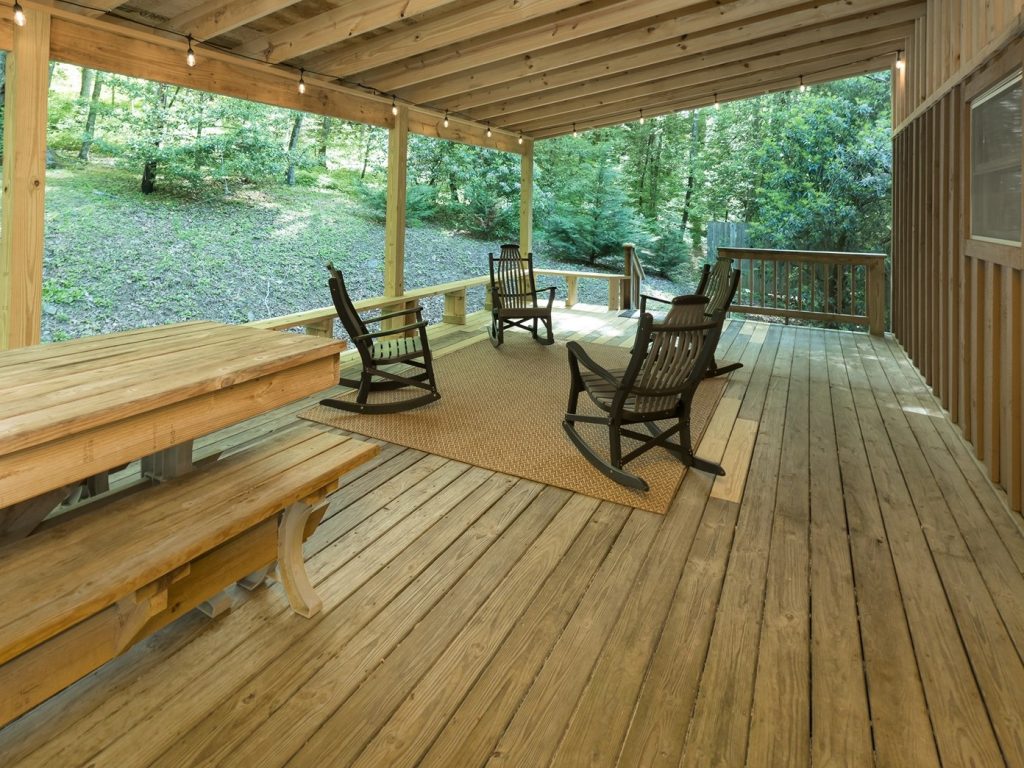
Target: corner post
24 182
526 198
876 297
627 270
394 224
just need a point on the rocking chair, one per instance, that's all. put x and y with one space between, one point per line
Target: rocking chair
375 354
667 363
514 296
718 283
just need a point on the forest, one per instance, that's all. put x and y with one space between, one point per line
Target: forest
158 168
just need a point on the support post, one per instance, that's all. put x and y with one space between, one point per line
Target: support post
526 198
394 225
455 307
571 282
24 182
876 297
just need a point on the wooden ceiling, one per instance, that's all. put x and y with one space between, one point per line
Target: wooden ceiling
545 67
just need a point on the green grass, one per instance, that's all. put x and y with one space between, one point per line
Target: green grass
117 259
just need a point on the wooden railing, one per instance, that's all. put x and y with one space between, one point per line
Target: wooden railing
320 322
818 286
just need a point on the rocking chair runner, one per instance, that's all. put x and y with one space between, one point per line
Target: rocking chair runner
667 363
718 283
376 353
514 296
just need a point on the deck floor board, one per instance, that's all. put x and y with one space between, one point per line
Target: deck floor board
852 593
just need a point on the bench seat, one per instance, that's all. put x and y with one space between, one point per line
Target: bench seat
80 592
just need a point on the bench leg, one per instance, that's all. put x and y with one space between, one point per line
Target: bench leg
291 565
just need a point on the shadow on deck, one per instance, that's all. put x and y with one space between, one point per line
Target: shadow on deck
850 594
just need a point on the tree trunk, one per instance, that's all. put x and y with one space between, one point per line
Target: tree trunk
149 177
90 120
88 75
691 159
366 150
293 146
326 128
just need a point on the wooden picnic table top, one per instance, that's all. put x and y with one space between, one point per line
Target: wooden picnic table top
91 404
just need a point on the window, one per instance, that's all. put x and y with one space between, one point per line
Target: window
996 163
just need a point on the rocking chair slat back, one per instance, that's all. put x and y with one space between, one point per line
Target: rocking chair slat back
512 274
674 348
719 282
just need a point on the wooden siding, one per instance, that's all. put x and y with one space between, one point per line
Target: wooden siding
957 301
851 593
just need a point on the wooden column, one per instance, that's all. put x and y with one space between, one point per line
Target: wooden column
394 225
24 182
526 198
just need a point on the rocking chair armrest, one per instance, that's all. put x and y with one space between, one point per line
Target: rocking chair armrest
401 313
644 298
391 331
551 293
578 355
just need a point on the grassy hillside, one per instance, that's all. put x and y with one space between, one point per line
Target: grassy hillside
117 259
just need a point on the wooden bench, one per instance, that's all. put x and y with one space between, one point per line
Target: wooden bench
79 593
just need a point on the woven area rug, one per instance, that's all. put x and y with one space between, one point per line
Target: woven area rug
502 409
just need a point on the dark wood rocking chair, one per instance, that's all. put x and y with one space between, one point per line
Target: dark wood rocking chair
667 363
514 296
375 353
718 283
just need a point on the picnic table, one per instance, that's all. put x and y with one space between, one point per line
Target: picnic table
71 410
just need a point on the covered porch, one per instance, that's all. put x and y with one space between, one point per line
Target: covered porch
850 593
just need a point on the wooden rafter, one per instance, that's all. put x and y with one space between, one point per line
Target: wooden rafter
572 24
633 99
100 7
342 23
207 20
759 56
706 99
690 35
419 38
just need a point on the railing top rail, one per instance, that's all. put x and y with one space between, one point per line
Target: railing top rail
823 257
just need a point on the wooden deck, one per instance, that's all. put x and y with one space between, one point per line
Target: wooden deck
850 594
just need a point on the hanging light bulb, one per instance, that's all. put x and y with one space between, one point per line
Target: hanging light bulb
803 88
489 132
394 105
717 105
574 133
520 137
302 81
641 117
899 60
190 57
446 118
19 14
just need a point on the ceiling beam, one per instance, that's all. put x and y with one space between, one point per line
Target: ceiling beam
342 23
208 20
99 44
635 99
573 24
807 59
697 101
459 25
685 38
695 69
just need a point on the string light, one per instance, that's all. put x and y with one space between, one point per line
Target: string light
190 57
717 105
520 137
899 60
394 105
446 118
302 81
641 117
19 14
489 132
574 133
803 88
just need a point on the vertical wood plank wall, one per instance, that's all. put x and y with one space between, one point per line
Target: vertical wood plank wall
959 318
